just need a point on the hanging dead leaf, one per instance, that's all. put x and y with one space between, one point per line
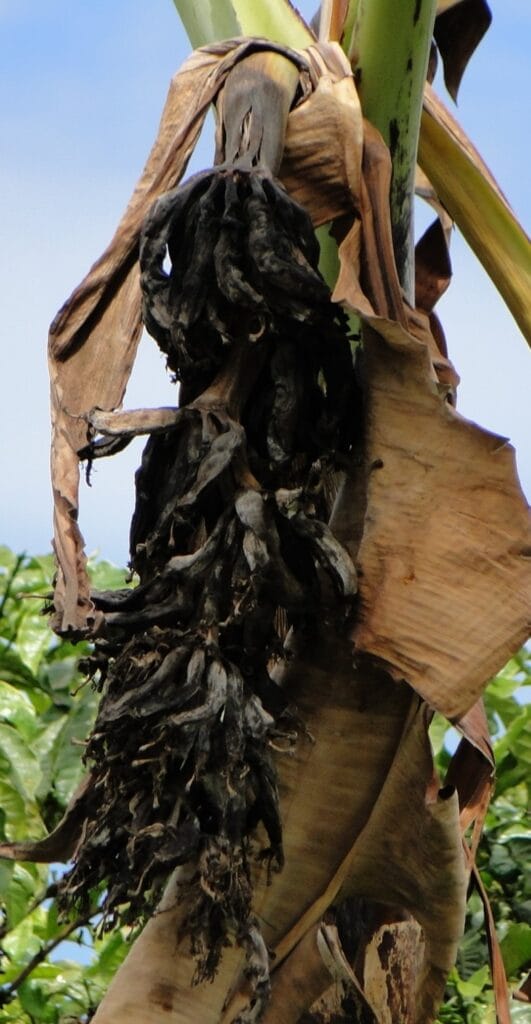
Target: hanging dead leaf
94 337
459 28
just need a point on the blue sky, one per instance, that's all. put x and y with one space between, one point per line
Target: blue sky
82 89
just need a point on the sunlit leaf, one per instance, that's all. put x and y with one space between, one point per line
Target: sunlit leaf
17 709
516 948
24 767
20 893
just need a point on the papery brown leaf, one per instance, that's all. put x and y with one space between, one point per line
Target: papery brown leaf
524 992
332 19
297 982
459 28
379 277
475 728
443 508
452 498
433 269
321 811
323 173
368 279
427 879
317 960
94 337
158 979
392 960
471 772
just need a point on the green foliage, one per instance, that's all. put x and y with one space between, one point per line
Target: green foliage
504 855
45 715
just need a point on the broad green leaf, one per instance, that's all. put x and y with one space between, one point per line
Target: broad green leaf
22 819
33 640
501 864
516 948
35 1000
17 709
47 971
106 576
8 560
13 669
472 988
23 889
61 677
24 770
65 754
12 1014
44 750
7 869
42 923
517 739
110 953
21 944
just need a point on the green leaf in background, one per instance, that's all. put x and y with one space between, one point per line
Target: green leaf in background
19 890
516 948
45 715
475 984
65 755
23 767
13 669
110 953
21 818
106 576
17 709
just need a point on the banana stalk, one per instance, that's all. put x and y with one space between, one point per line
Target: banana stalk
390 58
244 276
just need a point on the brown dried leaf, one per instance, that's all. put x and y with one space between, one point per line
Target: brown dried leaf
524 992
94 337
332 14
323 173
427 879
441 510
468 514
307 972
458 30
322 810
433 269
392 960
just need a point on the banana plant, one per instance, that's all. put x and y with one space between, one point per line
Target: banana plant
325 550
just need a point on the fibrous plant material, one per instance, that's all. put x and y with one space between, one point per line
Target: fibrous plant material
230 526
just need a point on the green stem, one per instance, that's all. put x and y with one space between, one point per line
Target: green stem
207 21
389 51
